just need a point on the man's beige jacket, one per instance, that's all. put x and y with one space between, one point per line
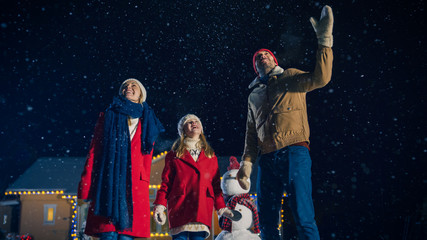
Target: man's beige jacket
277 111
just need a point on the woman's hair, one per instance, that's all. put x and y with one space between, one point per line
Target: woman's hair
179 146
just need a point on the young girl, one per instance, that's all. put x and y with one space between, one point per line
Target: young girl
190 184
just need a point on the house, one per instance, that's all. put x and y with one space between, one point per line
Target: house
9 215
46 194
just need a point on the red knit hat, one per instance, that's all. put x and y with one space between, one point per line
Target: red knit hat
260 50
234 164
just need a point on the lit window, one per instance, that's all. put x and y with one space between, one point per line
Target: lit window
49 214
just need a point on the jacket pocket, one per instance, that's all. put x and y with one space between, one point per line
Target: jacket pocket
178 191
209 192
143 177
287 120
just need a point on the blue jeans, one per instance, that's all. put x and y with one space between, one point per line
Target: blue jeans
189 236
113 236
287 169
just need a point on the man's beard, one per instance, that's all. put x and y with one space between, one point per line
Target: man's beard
266 67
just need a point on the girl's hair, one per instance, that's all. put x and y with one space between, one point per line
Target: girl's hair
179 146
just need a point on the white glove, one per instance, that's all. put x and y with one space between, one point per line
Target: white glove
159 214
244 174
323 27
226 212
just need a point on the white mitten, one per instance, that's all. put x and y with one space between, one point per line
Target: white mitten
323 27
159 214
226 212
244 174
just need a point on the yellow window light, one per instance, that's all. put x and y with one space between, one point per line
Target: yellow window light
50 214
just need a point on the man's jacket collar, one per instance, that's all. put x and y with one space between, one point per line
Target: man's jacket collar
276 71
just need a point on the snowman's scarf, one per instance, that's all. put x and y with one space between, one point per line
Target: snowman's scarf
245 200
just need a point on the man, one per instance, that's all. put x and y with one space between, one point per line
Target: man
277 130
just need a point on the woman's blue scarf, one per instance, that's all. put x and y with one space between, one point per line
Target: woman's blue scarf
113 194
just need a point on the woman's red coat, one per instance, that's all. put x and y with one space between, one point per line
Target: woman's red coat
141 167
190 189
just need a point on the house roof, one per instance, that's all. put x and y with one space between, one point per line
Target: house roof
51 173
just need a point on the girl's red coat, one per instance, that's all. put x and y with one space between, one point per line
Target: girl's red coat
190 189
141 167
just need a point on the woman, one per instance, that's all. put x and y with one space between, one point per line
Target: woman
117 171
190 184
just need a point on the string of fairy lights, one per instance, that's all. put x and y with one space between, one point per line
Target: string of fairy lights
73 201
33 192
74 207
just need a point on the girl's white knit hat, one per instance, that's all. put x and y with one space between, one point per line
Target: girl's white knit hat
184 119
143 91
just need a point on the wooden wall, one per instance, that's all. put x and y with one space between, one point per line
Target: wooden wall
32 217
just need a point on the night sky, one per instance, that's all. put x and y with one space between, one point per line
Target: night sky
63 61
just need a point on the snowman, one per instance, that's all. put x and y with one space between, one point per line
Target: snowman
244 209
